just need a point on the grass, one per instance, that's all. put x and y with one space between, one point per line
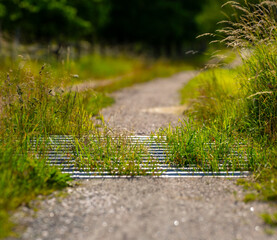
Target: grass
150 71
220 79
270 219
35 105
205 148
30 107
22 178
96 66
94 101
237 107
114 154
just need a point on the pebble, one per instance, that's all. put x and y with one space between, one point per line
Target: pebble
103 209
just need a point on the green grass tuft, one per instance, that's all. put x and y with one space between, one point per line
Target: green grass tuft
239 104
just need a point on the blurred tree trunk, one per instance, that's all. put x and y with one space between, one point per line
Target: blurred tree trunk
78 50
57 51
1 38
16 42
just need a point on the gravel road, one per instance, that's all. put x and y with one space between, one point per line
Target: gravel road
145 208
146 107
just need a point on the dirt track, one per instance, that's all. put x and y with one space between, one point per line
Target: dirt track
146 107
146 208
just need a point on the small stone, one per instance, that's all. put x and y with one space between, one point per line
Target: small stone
176 223
44 234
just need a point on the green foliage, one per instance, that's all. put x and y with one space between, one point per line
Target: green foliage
270 219
163 25
60 20
93 101
116 155
250 114
146 71
30 106
208 148
22 177
206 21
96 66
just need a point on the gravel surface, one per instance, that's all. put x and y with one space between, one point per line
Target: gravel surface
145 208
146 107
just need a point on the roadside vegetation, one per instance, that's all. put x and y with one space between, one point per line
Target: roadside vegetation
236 108
31 106
37 101
232 111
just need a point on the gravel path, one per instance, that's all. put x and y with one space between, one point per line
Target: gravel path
146 107
145 208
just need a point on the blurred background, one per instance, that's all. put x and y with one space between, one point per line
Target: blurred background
70 28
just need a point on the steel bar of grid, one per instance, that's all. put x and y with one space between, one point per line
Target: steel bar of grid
61 153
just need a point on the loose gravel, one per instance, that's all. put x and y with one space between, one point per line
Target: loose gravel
145 208
144 108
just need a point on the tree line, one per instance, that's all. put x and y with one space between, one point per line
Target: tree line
166 24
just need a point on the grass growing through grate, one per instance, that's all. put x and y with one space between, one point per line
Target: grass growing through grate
205 149
114 155
33 106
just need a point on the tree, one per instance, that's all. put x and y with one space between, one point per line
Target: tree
96 12
212 12
158 23
43 20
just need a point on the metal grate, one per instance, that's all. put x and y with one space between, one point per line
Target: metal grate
61 152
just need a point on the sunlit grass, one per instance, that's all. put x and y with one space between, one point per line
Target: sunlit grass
96 66
211 83
240 105
35 104
147 72
206 148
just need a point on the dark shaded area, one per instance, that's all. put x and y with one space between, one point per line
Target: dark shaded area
162 27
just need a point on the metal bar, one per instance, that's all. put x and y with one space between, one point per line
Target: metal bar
61 154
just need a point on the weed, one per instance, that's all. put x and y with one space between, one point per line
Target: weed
31 107
240 104
205 148
270 219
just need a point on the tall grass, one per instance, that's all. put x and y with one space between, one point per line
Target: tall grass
204 147
32 106
213 95
239 105
114 154
96 66
257 30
